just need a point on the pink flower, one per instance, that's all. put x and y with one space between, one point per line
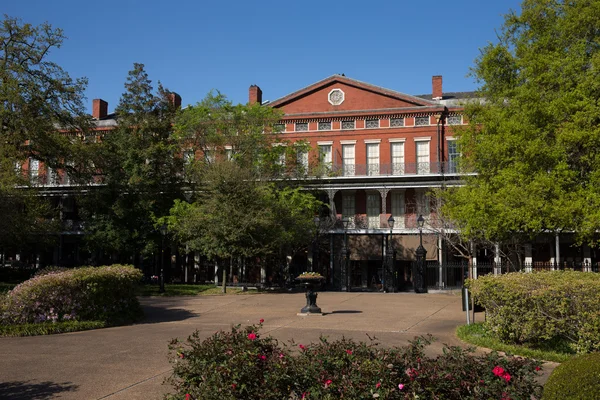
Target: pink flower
498 371
188 396
181 355
252 336
506 377
281 355
261 320
305 395
400 386
378 385
262 357
328 382
302 346
349 352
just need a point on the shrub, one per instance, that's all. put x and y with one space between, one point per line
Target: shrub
241 364
576 379
534 308
84 294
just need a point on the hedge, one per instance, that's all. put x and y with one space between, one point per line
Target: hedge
533 308
83 294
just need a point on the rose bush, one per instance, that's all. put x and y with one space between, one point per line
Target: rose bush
241 364
83 294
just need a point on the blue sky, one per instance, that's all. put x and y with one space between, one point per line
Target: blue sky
195 46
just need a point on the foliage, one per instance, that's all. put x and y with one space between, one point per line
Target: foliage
478 335
539 307
238 215
39 102
49 328
242 364
83 294
535 140
6 287
140 169
576 379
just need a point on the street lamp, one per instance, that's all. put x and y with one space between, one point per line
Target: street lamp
315 255
390 255
421 253
346 254
163 233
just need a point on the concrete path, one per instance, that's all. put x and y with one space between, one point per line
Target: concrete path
130 362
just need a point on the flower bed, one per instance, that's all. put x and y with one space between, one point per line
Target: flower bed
241 364
104 294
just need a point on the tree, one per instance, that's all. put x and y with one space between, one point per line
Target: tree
39 104
242 204
139 165
535 140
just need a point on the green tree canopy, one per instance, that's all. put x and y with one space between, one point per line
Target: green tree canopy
535 139
42 116
139 166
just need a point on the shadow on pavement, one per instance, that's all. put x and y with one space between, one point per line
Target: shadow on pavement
155 314
33 390
345 312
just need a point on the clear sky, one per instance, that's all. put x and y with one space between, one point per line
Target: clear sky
281 46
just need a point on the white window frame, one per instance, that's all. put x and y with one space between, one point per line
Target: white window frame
398 166
373 218
398 203
423 116
373 168
423 167
349 206
324 122
348 158
348 120
373 119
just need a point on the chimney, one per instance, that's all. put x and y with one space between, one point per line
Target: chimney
436 87
175 99
254 95
99 109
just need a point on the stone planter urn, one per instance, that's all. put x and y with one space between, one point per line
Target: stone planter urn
311 281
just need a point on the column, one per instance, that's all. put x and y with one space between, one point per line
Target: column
557 251
587 258
442 261
331 261
528 258
497 260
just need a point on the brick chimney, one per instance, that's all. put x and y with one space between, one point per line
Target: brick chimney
254 95
175 99
436 87
99 109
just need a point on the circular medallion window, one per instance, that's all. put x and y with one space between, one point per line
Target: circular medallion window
336 97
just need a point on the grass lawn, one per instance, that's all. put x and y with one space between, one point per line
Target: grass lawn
187 290
477 335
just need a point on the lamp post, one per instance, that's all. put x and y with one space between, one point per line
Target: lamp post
346 255
419 270
390 256
163 233
315 252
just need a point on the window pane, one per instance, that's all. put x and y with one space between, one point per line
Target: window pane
301 126
394 122
398 158
348 159
373 209
420 121
454 120
372 123
423 166
348 125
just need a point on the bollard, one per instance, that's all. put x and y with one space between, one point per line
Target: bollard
224 281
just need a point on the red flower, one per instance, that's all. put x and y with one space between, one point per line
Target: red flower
328 382
305 395
252 336
498 371
378 385
505 396
349 352
181 355
261 320
302 346
506 377
262 357
233 386
538 368
188 397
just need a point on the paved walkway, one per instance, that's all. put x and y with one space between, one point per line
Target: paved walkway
130 362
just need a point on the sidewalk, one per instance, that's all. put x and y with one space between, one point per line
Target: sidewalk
130 362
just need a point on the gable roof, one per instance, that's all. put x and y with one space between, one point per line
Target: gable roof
418 101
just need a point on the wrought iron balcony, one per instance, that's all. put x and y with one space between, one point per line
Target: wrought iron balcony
397 169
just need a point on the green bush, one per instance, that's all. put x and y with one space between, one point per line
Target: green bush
575 379
241 364
534 308
85 294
